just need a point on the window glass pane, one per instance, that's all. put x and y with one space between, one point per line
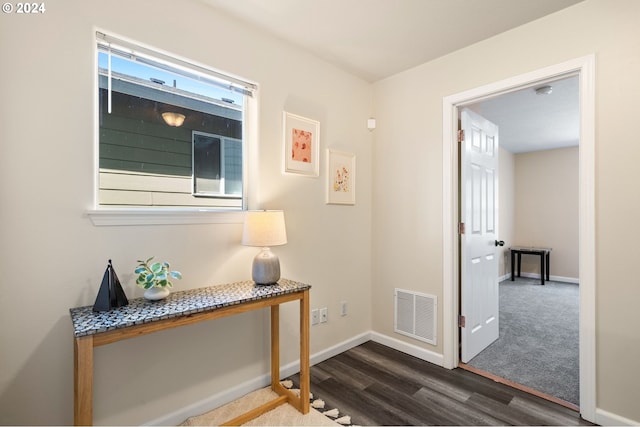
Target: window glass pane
207 167
233 166
166 136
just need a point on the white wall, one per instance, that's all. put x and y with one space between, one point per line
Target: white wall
53 258
408 171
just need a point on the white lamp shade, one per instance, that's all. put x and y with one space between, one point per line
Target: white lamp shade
264 229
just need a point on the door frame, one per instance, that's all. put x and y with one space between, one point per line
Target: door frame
584 67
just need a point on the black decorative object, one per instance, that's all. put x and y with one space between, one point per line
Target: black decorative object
110 295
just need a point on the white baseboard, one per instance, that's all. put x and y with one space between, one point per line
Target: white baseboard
175 418
337 349
178 416
229 395
537 276
605 418
564 279
413 350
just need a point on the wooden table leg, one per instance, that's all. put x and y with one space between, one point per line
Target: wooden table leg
304 353
83 381
275 346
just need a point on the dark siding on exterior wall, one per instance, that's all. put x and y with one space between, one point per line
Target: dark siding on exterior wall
135 138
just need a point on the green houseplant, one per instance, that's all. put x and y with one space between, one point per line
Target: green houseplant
155 278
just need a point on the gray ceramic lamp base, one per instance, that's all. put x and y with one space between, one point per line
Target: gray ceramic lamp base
266 268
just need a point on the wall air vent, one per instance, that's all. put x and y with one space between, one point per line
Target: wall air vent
415 315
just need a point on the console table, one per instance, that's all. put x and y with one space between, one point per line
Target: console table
141 317
543 253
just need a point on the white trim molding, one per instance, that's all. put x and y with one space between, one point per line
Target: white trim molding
605 418
552 278
102 217
413 350
328 353
584 67
176 417
205 405
222 398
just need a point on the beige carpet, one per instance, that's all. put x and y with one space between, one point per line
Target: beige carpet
283 415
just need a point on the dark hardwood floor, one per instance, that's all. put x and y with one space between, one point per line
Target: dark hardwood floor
377 385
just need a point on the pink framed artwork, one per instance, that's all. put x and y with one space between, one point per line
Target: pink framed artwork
301 145
341 178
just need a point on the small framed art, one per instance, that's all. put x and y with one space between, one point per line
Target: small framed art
301 145
341 177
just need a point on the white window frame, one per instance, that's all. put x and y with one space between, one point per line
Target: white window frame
112 216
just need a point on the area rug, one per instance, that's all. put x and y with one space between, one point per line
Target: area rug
283 415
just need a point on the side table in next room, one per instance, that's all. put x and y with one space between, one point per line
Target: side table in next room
543 253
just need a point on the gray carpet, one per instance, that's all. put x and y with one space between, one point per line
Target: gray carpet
538 344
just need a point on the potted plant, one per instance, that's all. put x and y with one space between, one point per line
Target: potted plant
155 278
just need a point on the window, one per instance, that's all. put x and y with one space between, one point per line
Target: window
217 165
171 133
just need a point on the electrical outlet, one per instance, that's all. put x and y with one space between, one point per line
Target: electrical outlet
343 308
323 315
315 318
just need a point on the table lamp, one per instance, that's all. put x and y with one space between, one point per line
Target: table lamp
264 229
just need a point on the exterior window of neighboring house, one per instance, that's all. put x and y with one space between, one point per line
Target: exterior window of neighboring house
171 133
217 165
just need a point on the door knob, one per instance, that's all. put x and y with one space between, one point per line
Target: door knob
499 242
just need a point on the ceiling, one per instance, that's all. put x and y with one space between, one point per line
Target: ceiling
375 39
531 122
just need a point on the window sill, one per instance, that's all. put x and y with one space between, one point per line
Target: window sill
107 217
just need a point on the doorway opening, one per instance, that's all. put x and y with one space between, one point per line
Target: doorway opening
584 68
537 200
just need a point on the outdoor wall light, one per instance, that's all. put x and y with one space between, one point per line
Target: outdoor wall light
173 119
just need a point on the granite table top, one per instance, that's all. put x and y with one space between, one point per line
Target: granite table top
177 304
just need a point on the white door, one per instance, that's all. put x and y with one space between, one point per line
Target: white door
478 241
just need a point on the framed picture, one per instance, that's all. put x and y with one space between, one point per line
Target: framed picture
301 145
341 177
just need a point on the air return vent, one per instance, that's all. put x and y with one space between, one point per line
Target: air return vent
415 315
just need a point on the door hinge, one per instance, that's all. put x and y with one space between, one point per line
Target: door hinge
461 228
462 321
460 135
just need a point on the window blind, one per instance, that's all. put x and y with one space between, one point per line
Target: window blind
133 52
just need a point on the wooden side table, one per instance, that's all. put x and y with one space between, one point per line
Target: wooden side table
182 308
543 253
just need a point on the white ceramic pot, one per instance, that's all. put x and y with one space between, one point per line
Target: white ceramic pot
156 293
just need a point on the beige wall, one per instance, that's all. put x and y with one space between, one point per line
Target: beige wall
547 209
506 214
52 257
539 207
408 155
